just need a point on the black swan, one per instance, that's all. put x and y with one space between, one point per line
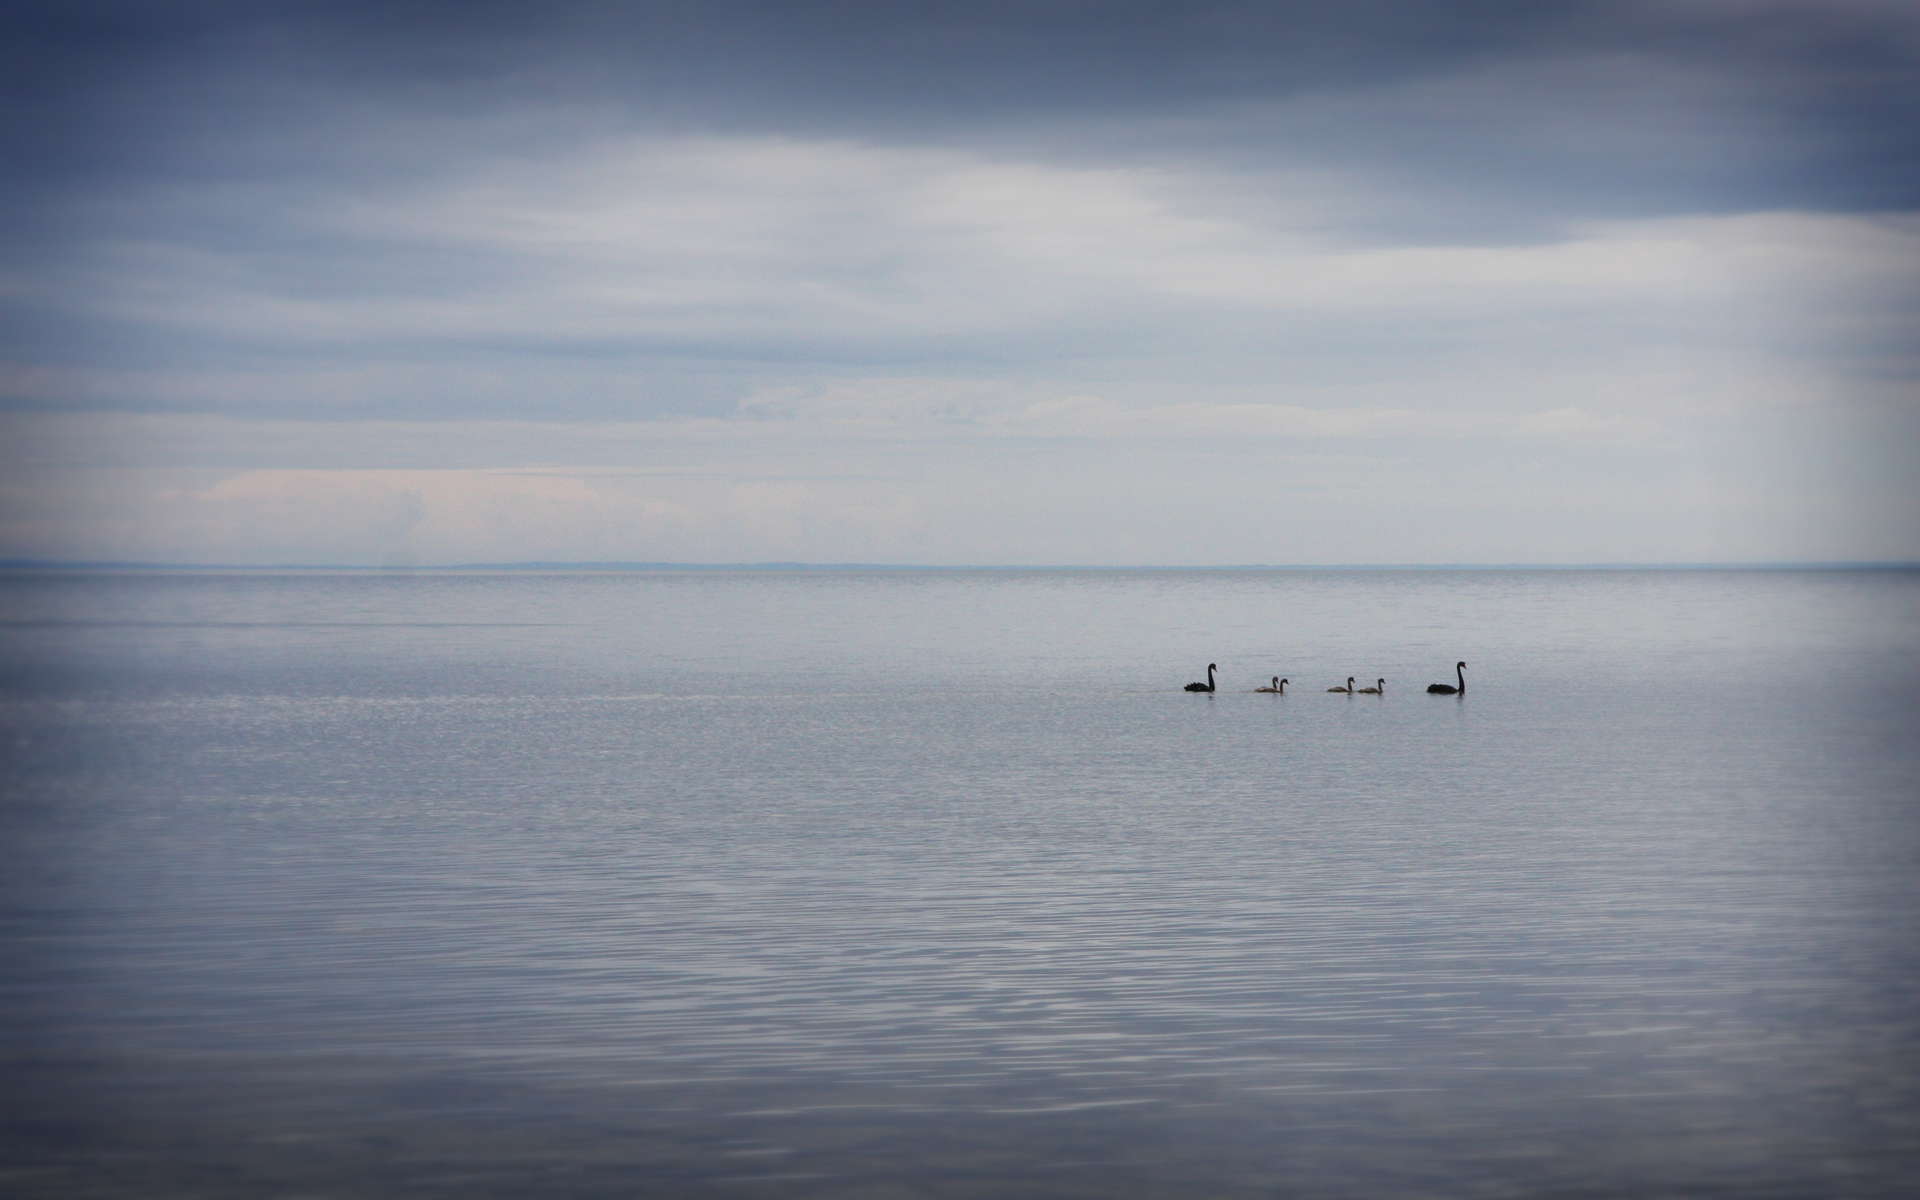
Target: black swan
1279 686
1347 689
1447 689
1208 685
1378 689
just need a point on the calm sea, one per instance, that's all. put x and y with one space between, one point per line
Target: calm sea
840 883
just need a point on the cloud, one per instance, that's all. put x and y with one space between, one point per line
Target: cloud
332 516
953 282
655 256
257 516
936 471
917 407
404 518
1587 108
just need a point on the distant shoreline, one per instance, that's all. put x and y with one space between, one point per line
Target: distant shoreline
47 565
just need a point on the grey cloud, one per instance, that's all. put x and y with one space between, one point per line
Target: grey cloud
1492 119
330 212
130 86
590 296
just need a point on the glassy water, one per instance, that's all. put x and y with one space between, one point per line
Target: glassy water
936 883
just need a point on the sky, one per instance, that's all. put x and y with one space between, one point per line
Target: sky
1049 282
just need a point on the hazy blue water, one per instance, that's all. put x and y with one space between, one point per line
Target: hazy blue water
936 884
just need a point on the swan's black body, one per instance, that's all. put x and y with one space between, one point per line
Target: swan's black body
1279 686
1347 689
1208 685
1447 689
1379 688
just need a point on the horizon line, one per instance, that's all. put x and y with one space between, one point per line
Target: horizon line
554 565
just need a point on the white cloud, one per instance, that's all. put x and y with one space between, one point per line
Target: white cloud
709 242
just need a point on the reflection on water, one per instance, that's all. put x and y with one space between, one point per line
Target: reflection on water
937 884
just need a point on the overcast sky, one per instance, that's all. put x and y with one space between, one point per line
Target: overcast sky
1049 281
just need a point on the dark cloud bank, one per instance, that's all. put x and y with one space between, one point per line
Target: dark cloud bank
1826 93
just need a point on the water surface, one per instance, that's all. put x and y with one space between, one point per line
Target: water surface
936 883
